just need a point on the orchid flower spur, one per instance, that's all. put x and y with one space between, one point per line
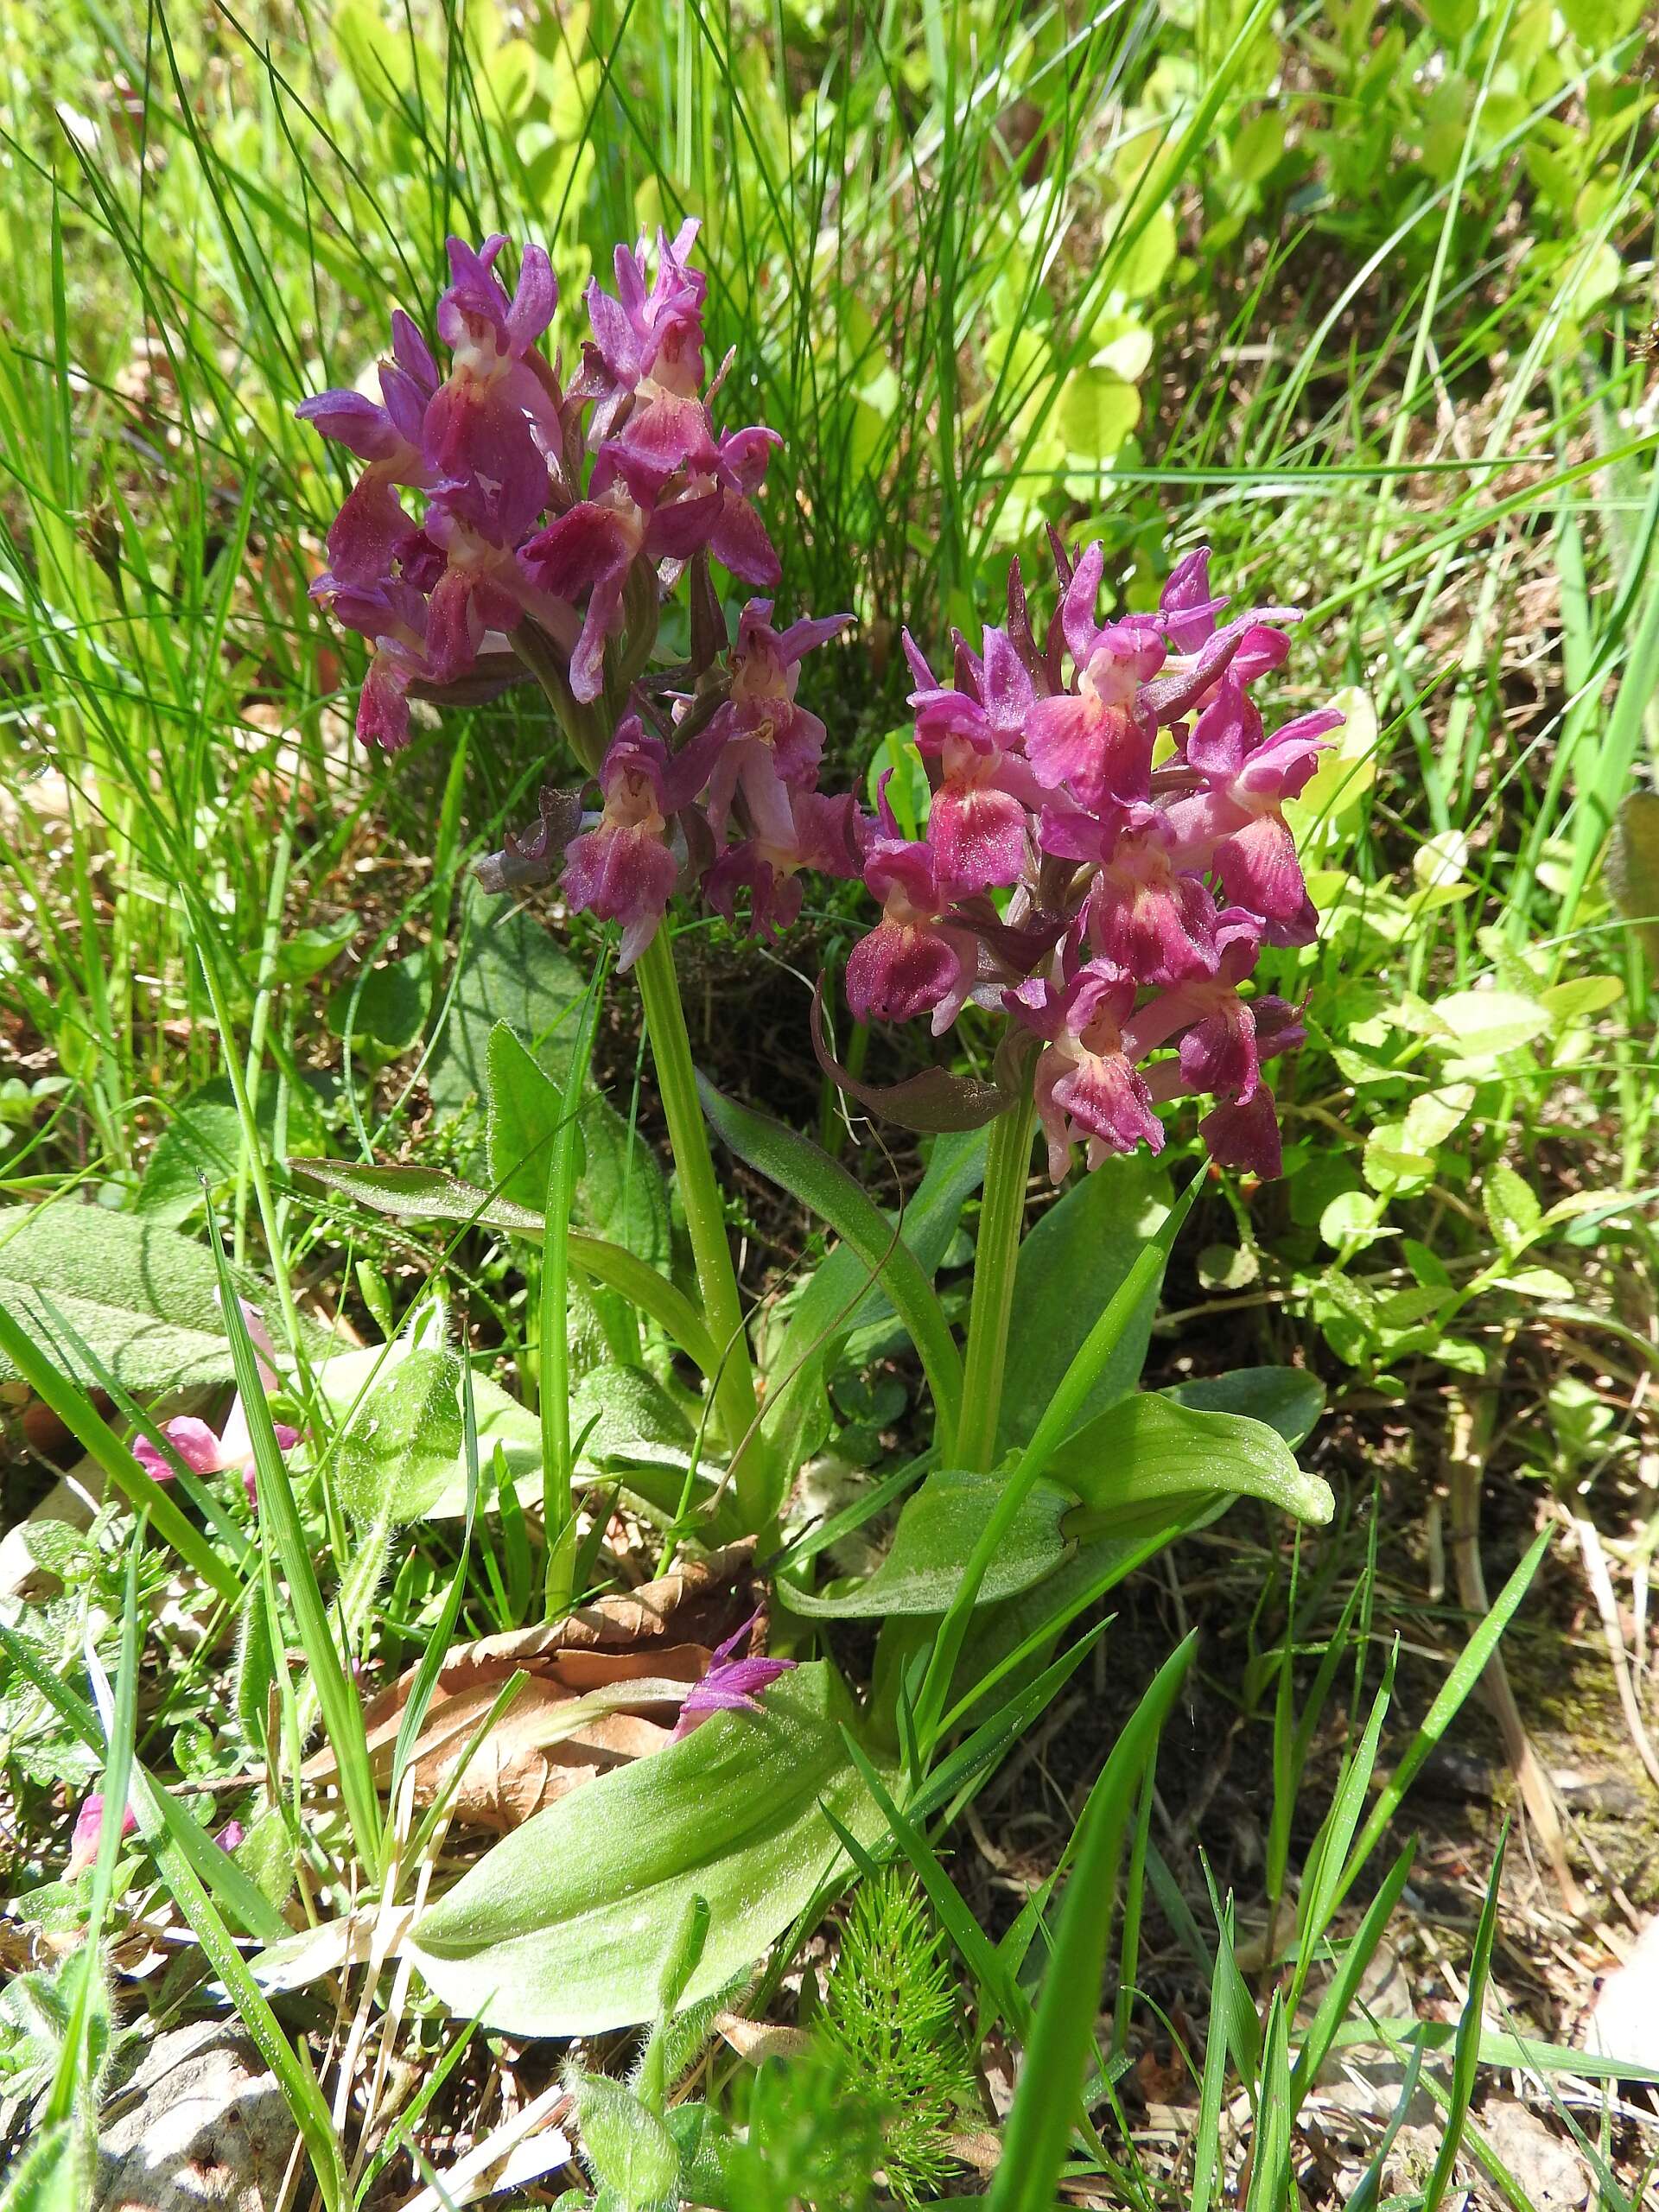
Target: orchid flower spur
229 1450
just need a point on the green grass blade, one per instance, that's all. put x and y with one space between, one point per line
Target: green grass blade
336 1695
1061 2045
93 1434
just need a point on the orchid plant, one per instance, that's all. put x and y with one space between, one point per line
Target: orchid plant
1104 857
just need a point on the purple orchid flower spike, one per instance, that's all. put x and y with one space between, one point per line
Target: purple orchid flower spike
731 1684
207 1451
1129 815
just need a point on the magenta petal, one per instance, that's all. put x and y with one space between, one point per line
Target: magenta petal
1060 741
195 1443
979 838
352 419
534 301
1246 1136
1219 1054
1082 597
1185 606
370 530
88 1833
383 704
411 351
1223 733
589 542
740 543
1259 869
899 970
623 876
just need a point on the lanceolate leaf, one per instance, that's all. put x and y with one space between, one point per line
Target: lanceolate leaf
1070 1265
1138 1463
810 1175
1287 1398
937 1532
419 1194
561 1929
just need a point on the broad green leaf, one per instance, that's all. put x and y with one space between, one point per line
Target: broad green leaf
1482 1025
510 971
1258 147
1287 1399
936 1534
386 1007
1436 1114
404 1441
525 1107
1070 1265
1513 1213
1584 996
1146 1457
799 1167
305 953
203 1143
143 1298
561 1929
1096 412
621 1193
1537 1282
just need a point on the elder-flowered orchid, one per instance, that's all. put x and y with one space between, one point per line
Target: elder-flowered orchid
1105 852
731 1684
229 1450
567 510
1130 821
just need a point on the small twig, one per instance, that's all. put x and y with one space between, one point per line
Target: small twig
1601 1588
1467 1446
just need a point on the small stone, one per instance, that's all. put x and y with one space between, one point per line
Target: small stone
1623 2021
199 2126
1547 2169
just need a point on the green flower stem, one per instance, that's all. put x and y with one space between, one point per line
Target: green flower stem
677 1083
553 1341
1002 1216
